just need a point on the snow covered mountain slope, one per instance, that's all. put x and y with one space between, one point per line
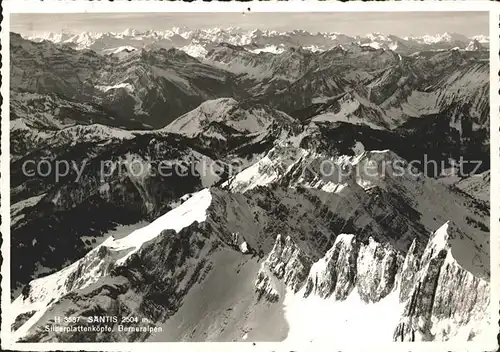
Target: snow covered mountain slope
153 87
400 86
109 182
237 133
429 142
350 107
477 185
199 151
38 121
137 173
368 172
102 258
231 114
474 45
240 61
50 68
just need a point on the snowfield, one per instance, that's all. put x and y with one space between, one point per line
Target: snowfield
318 320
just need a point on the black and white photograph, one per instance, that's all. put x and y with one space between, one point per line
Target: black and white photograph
254 177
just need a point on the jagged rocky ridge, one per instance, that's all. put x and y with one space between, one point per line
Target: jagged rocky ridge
440 297
315 259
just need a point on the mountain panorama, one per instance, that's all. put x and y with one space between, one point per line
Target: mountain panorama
230 185
198 42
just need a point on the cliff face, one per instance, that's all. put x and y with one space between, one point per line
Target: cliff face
286 262
369 267
440 298
334 274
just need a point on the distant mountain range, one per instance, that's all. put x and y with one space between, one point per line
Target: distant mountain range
148 88
198 42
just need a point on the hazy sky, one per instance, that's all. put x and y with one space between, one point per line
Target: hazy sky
397 23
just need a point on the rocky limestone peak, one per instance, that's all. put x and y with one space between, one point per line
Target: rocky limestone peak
335 273
288 262
441 286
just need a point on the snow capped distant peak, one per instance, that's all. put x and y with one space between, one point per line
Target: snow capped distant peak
130 32
439 38
195 50
474 45
121 50
199 41
483 39
273 49
179 30
377 36
190 124
53 37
